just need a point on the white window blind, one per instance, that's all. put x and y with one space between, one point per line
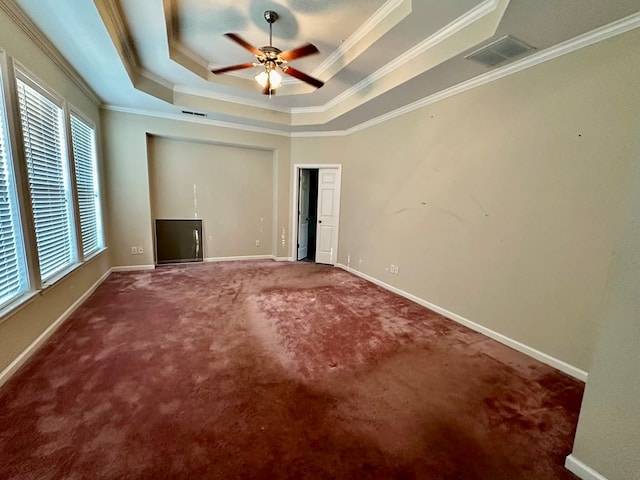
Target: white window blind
13 273
84 157
43 136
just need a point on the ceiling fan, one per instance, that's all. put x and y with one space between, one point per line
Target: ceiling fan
272 58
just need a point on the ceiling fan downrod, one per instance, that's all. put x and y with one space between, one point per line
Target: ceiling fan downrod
270 16
272 59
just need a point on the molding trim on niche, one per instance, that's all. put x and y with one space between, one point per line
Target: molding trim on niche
132 268
509 342
238 258
581 470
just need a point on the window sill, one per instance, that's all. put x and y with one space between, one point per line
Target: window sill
20 302
57 278
95 254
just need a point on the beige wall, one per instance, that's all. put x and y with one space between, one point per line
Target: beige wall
21 328
229 188
608 436
501 204
129 190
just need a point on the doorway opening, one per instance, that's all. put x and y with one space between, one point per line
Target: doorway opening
307 214
315 218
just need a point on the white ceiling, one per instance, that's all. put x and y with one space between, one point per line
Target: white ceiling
376 56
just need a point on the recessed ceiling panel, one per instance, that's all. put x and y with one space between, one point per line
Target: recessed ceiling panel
201 26
126 50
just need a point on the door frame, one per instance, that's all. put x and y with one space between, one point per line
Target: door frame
293 214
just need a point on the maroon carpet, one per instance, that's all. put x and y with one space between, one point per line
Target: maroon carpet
274 370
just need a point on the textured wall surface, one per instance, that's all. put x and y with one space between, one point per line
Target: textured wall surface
501 204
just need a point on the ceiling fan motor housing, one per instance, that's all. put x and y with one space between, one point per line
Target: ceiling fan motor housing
271 58
270 16
271 54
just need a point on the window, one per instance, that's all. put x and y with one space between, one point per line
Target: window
13 272
46 159
84 157
60 161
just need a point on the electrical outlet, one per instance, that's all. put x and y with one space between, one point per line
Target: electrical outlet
396 270
140 250
134 250
257 243
392 269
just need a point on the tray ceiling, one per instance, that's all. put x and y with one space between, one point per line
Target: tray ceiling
376 56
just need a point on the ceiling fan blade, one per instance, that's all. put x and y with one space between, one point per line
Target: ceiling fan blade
232 68
303 76
243 43
303 51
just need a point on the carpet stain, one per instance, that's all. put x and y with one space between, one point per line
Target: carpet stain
278 370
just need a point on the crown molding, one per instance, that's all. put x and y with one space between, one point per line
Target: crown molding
385 18
401 7
391 13
440 36
188 59
229 98
113 20
200 120
142 79
595 36
598 35
143 72
33 32
327 133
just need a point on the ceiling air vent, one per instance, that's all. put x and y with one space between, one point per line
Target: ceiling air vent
195 114
500 51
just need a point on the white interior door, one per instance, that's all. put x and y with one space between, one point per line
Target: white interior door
328 215
303 214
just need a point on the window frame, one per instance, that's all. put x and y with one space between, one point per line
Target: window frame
23 75
14 193
11 71
97 191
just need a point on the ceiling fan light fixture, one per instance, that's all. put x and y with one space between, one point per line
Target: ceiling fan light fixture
275 79
271 58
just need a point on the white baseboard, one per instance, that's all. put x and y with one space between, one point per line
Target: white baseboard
516 345
44 336
283 259
132 268
581 470
240 257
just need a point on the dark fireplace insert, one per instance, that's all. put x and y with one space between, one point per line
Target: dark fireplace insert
178 241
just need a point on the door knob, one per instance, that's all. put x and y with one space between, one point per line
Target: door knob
319 221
